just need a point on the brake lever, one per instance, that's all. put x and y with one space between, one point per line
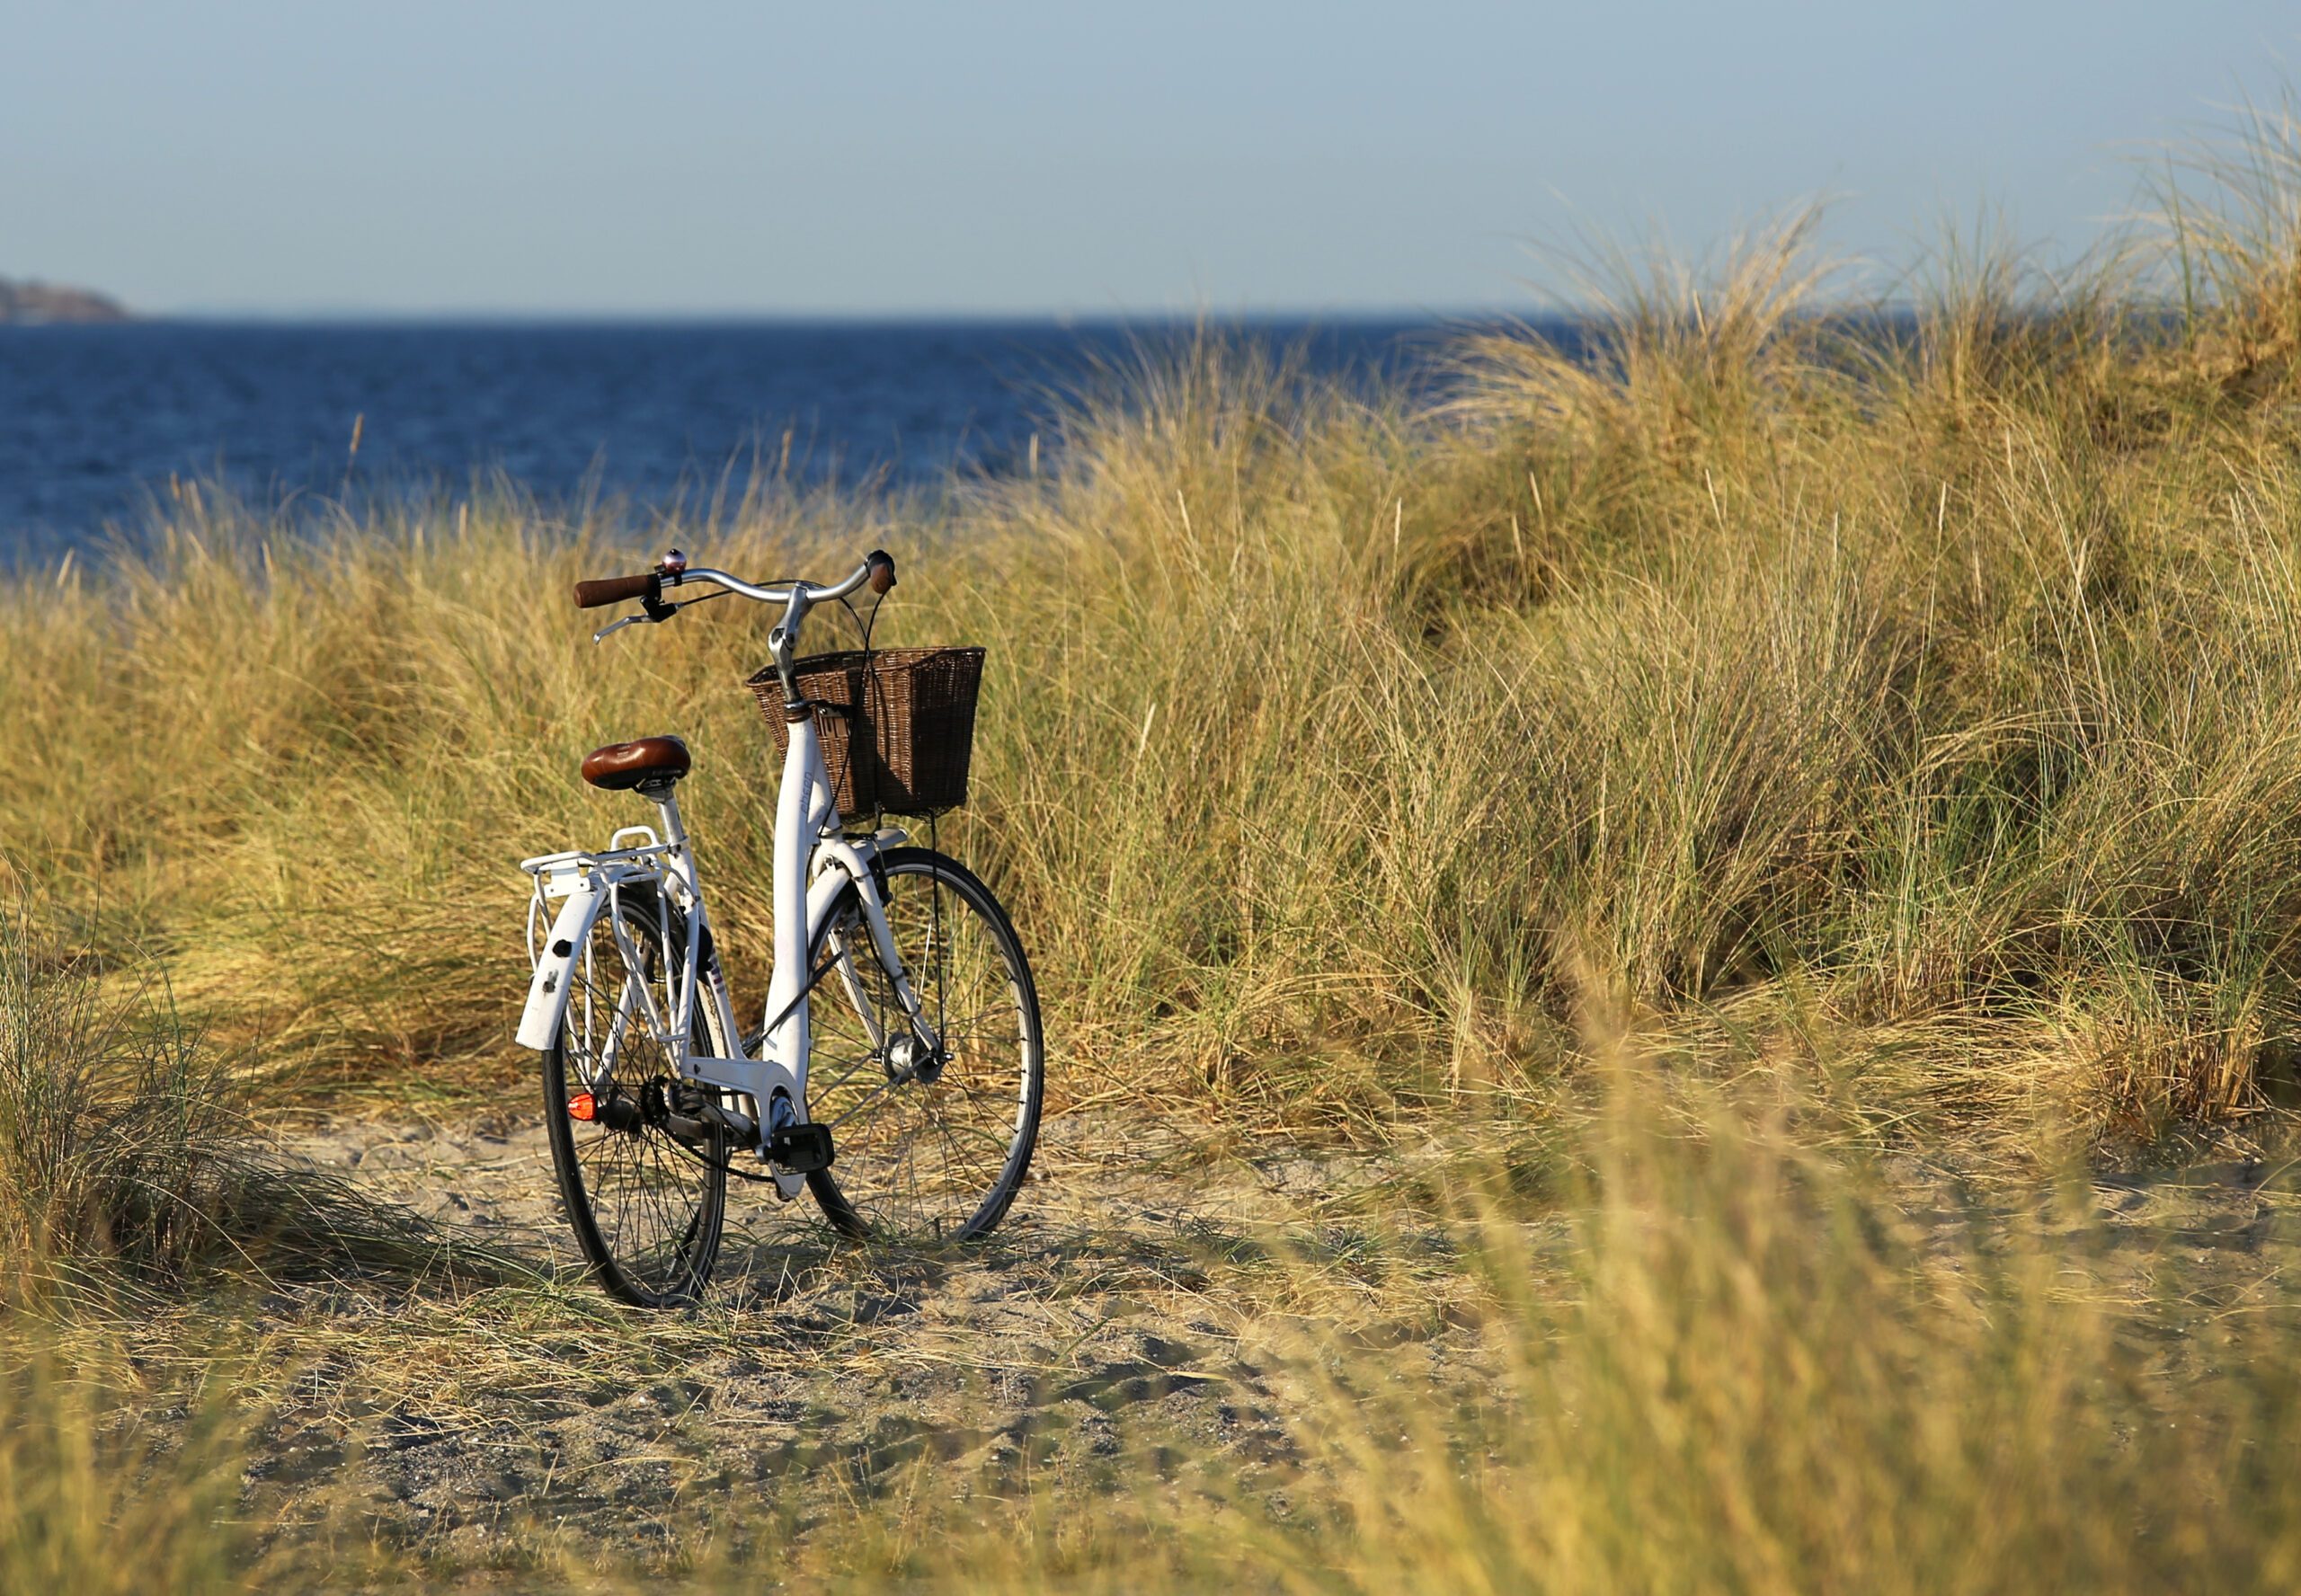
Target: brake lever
653 610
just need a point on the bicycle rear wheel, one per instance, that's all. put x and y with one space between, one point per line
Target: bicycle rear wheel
929 1146
642 1169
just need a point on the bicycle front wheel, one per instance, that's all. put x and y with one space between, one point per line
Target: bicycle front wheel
643 1168
931 1143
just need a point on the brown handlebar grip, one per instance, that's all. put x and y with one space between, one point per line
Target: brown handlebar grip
614 589
883 571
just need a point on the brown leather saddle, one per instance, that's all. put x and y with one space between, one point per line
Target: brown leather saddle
621 766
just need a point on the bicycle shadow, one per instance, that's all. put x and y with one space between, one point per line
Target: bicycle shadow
782 1263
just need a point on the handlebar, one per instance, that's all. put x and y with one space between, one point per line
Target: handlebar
877 571
614 589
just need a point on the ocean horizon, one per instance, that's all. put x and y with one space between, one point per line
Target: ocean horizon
658 414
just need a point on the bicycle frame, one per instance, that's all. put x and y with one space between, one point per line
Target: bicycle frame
815 863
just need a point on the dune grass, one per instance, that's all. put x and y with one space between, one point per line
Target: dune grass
1686 1346
1725 1361
117 1131
100 1500
1942 683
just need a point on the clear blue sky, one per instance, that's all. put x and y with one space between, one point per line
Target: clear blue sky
985 157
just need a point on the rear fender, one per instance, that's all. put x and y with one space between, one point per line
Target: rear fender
571 930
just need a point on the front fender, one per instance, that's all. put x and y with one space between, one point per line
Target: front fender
839 860
548 990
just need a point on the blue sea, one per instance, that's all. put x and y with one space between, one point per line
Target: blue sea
94 421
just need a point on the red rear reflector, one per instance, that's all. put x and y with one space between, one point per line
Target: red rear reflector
582 1106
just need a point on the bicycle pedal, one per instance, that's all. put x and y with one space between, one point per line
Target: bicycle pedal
800 1148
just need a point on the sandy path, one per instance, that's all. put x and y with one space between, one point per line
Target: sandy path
1123 1294
1129 1297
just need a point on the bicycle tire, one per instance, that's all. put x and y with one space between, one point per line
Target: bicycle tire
644 1174
879 1188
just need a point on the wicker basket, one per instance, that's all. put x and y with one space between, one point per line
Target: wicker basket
902 738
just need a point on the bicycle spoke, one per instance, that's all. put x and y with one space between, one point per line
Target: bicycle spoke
852 1071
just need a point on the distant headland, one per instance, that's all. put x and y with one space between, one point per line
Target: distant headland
55 302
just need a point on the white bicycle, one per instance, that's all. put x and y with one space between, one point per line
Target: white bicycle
898 1071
